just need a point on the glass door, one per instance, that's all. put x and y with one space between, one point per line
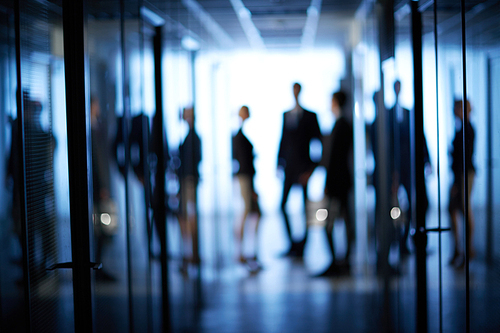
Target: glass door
38 236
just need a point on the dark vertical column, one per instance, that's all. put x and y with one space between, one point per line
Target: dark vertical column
78 160
489 175
22 166
418 177
160 207
438 167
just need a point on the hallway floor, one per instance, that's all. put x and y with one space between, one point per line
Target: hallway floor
286 296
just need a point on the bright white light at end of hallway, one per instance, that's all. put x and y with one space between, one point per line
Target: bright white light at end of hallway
321 214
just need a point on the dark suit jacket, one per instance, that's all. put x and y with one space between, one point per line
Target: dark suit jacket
293 153
338 176
402 150
457 153
243 153
190 155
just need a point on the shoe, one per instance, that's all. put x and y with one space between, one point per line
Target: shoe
460 263
242 260
331 271
253 265
104 277
344 267
404 251
387 270
453 259
296 250
472 253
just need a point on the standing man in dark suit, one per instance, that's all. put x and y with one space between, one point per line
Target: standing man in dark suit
300 126
402 163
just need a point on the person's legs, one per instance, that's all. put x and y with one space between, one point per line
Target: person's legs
301 244
246 194
258 214
470 223
403 247
329 234
385 237
286 190
349 228
453 209
193 219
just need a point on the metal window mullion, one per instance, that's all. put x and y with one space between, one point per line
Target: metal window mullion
76 67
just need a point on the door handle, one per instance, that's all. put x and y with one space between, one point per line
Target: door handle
64 265
437 229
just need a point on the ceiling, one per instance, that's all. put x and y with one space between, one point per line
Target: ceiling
273 24
262 23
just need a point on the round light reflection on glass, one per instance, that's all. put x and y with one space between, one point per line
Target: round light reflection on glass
395 213
321 214
105 219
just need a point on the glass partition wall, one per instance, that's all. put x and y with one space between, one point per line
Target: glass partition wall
459 45
122 104
35 215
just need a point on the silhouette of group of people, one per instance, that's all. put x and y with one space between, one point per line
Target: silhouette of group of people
399 168
300 127
392 228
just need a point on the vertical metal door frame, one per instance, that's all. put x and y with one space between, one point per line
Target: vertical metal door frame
160 207
75 61
418 176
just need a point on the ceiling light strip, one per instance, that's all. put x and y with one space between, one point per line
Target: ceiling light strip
311 26
251 31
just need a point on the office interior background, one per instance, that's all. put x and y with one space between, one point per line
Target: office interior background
98 88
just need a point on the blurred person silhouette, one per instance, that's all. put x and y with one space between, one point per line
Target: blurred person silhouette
300 126
339 182
402 161
13 181
190 158
244 156
457 195
385 181
104 207
40 145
